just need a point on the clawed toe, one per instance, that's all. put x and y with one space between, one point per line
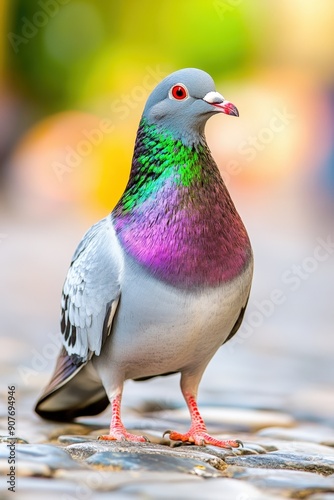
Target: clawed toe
202 438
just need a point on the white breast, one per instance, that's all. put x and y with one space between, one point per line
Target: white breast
159 329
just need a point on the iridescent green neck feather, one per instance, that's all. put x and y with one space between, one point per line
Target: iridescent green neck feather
176 217
157 158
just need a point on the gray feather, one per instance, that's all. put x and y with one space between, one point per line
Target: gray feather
91 291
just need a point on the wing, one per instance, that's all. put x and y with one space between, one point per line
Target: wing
91 292
237 324
90 296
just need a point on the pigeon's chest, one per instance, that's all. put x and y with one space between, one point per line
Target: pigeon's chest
184 246
159 328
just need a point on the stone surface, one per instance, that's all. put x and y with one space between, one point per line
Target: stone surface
321 496
84 451
27 468
216 489
72 428
300 447
104 480
311 433
162 485
293 461
247 449
50 456
9 439
70 439
38 488
153 462
295 484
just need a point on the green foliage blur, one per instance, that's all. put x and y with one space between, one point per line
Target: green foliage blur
63 50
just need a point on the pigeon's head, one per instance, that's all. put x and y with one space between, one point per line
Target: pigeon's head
183 102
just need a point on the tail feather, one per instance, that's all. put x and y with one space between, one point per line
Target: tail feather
74 390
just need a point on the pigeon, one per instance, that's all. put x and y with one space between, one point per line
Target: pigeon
157 286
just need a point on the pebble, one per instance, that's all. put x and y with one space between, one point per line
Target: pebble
83 451
153 462
73 428
295 484
289 445
37 455
321 496
312 433
162 485
104 480
27 468
302 447
39 488
293 461
216 489
69 439
9 439
247 449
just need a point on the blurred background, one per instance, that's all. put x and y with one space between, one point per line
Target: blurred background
74 77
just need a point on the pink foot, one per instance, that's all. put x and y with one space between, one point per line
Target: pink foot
202 438
197 433
117 430
123 436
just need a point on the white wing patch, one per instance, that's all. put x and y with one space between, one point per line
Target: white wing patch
91 291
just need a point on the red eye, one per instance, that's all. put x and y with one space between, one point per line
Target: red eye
178 92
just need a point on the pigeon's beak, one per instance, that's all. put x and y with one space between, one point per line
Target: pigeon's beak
218 101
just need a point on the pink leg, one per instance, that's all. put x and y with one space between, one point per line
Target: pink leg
117 429
197 433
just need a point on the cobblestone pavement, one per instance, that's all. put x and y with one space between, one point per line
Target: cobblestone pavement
272 387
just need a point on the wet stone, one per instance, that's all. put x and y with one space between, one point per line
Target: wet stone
9 439
312 433
292 461
152 462
321 496
70 439
35 430
40 454
285 445
103 480
213 489
295 484
27 468
83 451
74 429
248 448
304 448
39 488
